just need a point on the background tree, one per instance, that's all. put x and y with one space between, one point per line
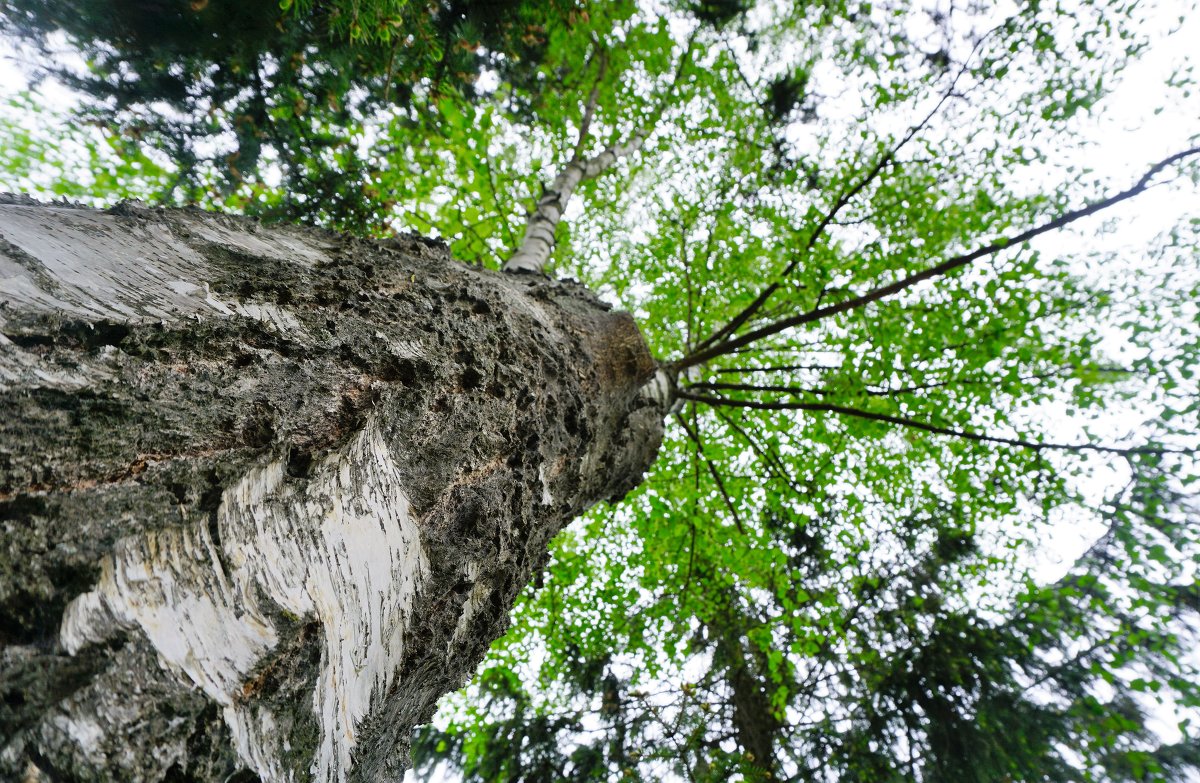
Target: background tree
229 90
830 222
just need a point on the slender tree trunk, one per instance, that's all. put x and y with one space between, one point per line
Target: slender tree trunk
266 494
538 242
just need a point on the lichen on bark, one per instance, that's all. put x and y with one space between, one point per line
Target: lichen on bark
267 493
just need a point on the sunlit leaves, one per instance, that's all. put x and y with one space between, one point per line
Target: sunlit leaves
878 570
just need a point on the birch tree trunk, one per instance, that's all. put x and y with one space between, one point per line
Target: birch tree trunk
538 242
266 494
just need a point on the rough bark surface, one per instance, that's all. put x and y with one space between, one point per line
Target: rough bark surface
266 494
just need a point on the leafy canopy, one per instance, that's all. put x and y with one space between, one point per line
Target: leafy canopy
233 92
853 235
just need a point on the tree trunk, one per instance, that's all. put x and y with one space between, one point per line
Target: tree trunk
266 494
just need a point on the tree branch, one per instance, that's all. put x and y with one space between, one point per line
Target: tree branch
771 460
878 391
887 158
944 268
821 407
589 110
752 387
695 438
538 243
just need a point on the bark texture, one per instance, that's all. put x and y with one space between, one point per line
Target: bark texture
266 494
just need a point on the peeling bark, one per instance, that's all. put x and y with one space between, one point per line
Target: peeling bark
266 494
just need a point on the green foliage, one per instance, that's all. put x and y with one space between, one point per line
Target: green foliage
239 94
894 388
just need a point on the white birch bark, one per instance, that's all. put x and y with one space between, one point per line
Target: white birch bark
538 242
266 494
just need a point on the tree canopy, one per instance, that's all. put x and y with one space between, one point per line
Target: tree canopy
860 238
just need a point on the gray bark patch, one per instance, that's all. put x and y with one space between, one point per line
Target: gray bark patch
266 494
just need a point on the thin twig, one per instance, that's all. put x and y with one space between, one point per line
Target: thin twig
695 437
